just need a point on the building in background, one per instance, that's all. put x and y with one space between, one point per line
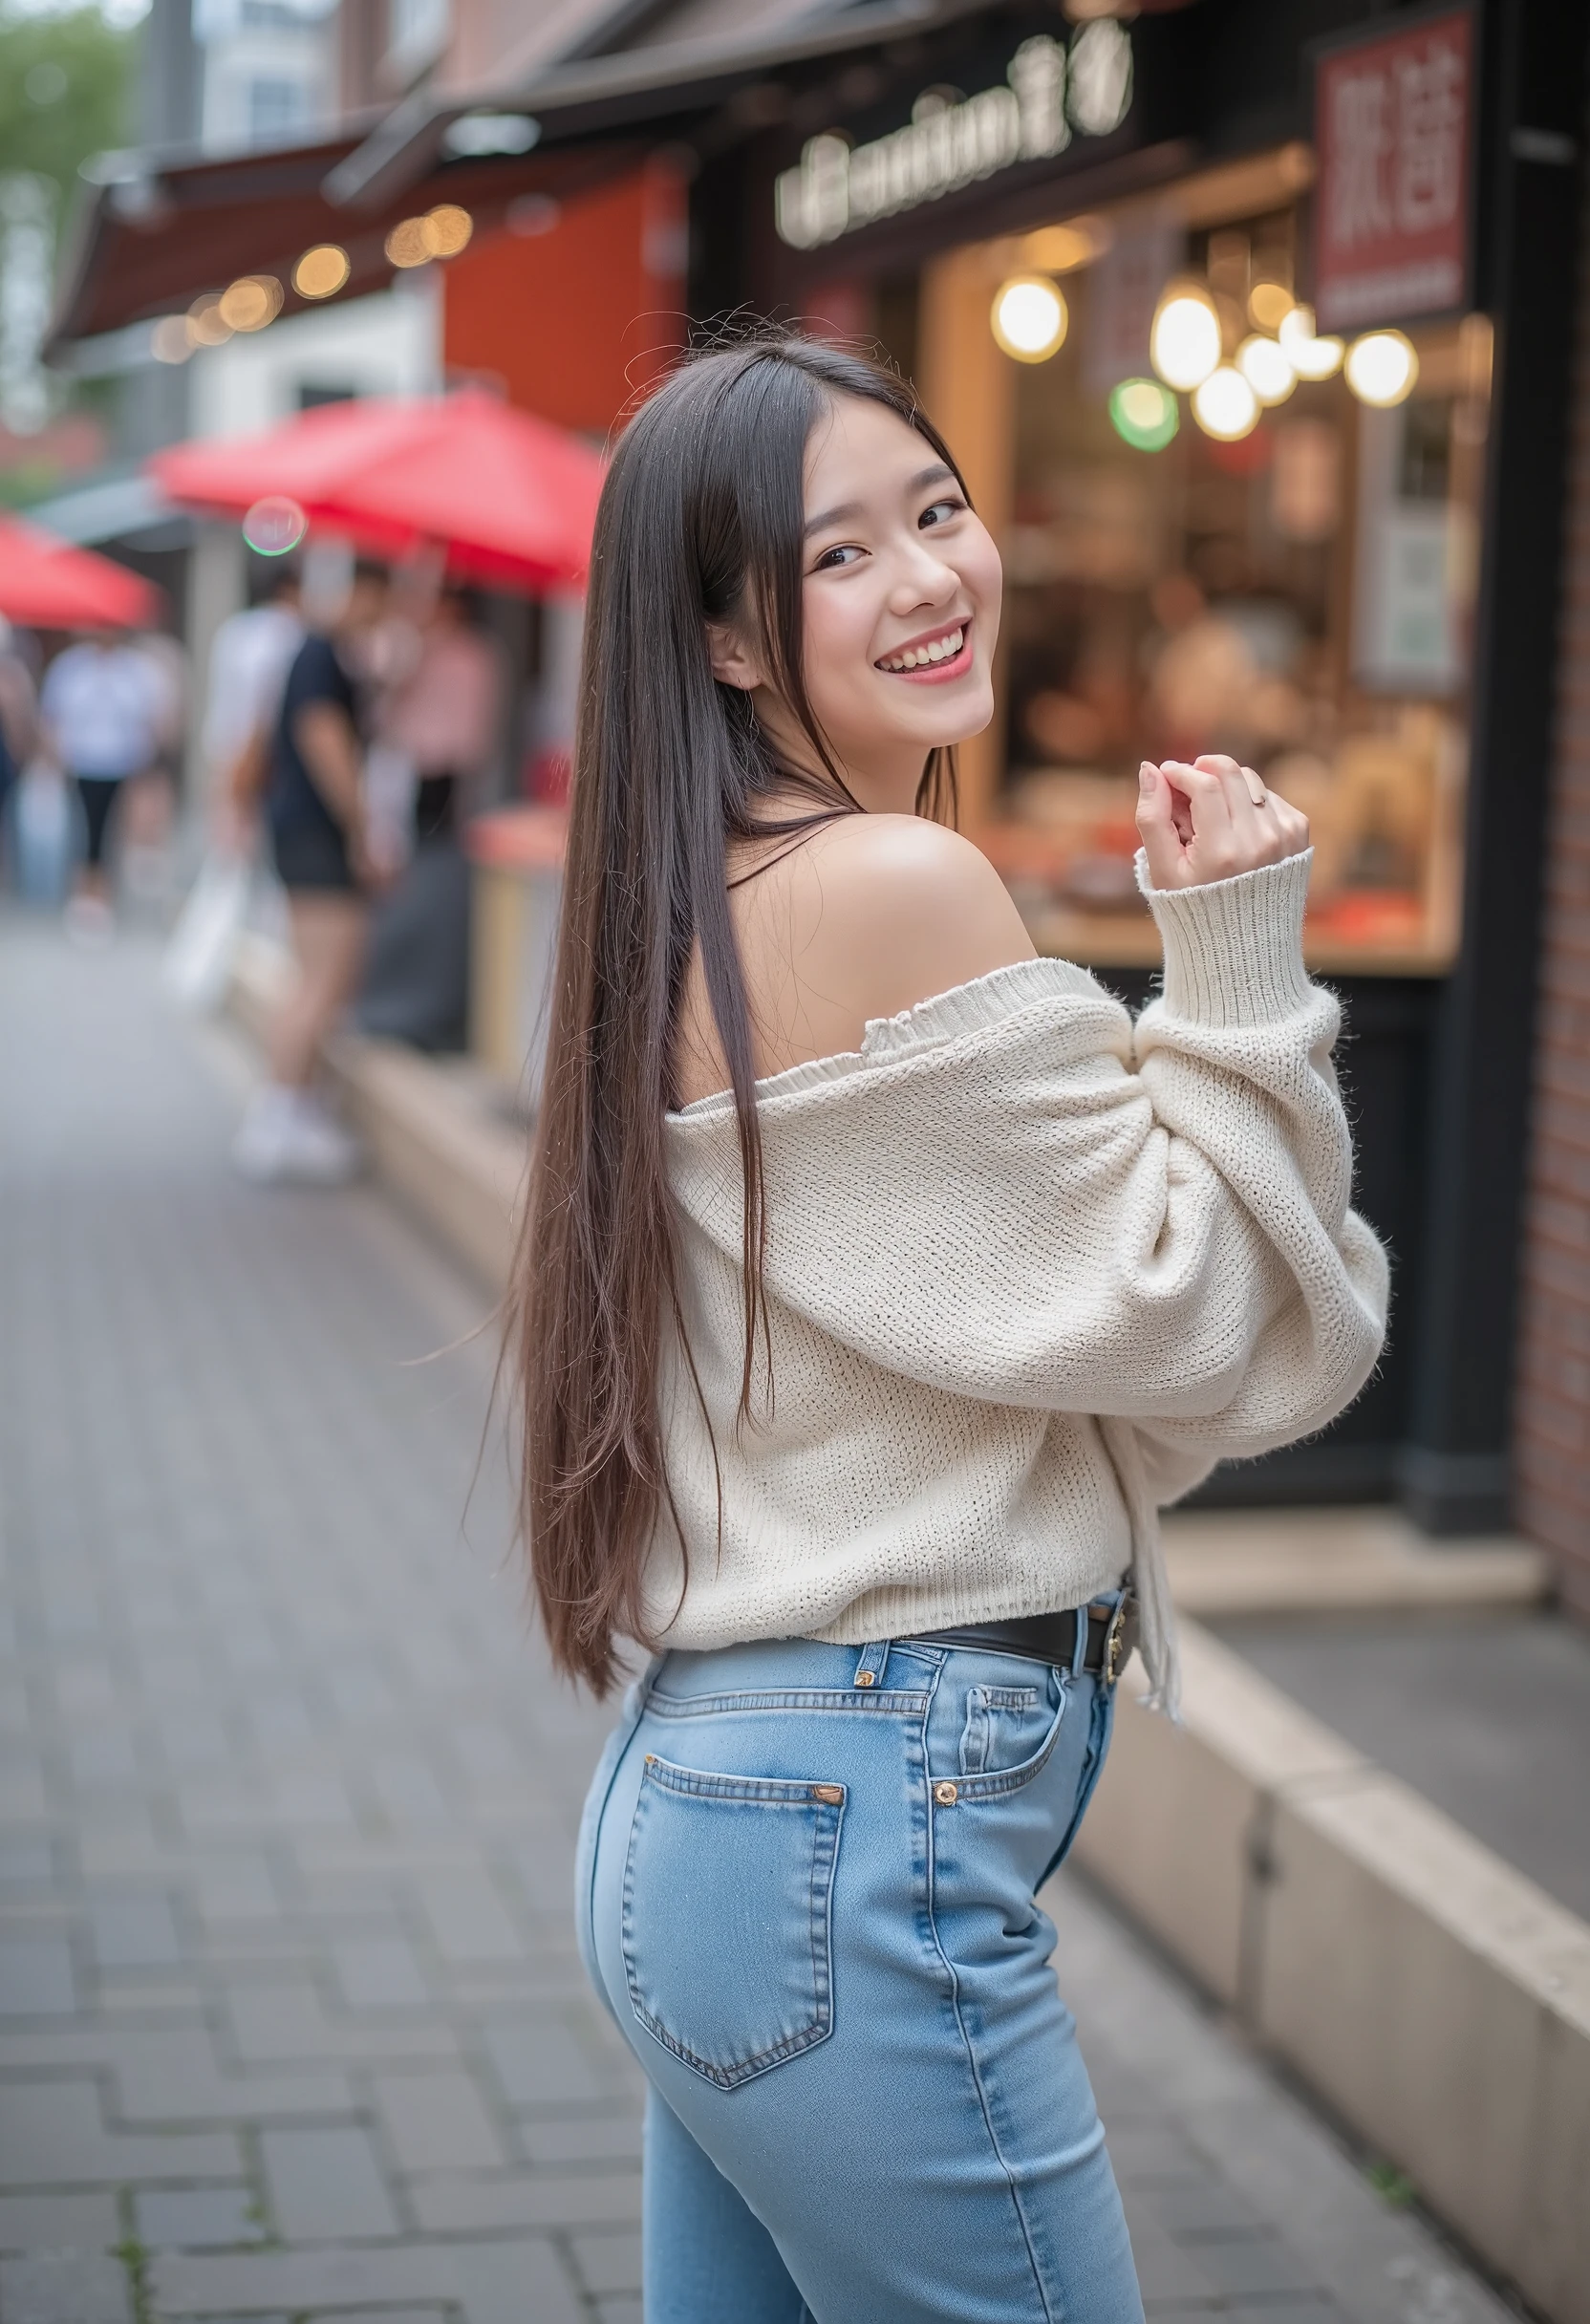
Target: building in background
268 71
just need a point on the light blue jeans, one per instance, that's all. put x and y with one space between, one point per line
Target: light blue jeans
808 1902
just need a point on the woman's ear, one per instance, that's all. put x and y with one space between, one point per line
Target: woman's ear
733 664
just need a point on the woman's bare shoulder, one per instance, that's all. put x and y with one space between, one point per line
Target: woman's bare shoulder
892 908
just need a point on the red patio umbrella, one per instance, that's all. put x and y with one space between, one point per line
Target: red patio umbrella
513 498
49 584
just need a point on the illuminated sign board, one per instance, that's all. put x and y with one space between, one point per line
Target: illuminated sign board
1048 94
1393 132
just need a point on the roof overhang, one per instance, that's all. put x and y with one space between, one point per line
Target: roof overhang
178 224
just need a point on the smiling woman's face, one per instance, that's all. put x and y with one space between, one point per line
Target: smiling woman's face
900 605
901 594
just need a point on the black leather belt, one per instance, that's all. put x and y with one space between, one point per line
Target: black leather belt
1052 1638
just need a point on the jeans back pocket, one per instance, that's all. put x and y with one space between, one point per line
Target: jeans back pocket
728 1906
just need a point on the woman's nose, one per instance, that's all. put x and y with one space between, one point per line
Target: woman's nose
925 578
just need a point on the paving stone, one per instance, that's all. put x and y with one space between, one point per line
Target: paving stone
609 2262
104 1759
436 2122
329 2281
470 1920
188 2218
171 2074
389 2315
235 1888
58 2223
474 2207
134 1932
35 1977
22 1796
379 1973
1244 2266
52 2135
325 2185
541 2064
1298 2312
27 1861
561 2141
1207 2207
65 2288
284 2023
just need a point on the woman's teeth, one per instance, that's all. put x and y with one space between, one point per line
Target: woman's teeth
918 658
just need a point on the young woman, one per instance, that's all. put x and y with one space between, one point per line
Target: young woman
879 1280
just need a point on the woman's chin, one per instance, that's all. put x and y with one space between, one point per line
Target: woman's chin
945 723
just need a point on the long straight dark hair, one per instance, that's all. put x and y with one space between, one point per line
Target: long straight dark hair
701 520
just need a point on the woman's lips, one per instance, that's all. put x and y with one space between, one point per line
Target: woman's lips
939 673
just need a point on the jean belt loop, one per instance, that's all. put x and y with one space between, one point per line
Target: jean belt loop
875 1661
1079 1642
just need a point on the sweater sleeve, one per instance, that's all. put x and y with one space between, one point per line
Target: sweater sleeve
1060 1209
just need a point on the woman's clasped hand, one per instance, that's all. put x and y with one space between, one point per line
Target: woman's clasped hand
1212 820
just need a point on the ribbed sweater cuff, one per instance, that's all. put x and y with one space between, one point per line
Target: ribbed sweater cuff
1233 947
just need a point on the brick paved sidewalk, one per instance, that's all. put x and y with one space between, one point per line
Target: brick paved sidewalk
292 2024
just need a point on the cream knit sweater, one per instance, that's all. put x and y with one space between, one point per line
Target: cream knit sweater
1031 1270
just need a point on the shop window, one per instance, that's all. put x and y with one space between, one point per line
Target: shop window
416 31
1270 565
276 107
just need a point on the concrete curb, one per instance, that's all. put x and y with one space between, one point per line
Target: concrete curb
1436 1998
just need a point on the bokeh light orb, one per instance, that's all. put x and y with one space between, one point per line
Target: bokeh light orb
1030 319
1265 366
1311 357
1144 414
322 270
251 302
274 525
1184 345
1381 368
1225 406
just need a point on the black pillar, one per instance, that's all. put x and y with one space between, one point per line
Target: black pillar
1454 1468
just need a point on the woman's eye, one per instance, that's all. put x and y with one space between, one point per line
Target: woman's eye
940 512
831 559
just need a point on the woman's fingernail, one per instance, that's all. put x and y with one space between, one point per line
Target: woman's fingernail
1146 777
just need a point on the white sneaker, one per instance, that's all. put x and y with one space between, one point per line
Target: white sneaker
290 1137
88 924
260 1146
318 1150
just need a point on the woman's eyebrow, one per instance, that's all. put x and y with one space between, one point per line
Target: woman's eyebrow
843 510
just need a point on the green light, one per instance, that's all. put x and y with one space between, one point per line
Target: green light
1144 414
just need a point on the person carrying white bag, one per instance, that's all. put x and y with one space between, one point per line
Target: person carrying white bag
249 660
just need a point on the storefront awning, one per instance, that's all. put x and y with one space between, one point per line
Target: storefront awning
166 229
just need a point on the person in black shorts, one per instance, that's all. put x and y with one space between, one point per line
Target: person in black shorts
314 817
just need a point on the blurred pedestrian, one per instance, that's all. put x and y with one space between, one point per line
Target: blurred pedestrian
102 708
149 803
314 812
444 716
18 719
440 725
251 656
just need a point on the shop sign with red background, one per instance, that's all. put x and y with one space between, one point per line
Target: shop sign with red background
1394 134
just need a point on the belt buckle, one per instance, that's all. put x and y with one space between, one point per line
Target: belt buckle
1115 1638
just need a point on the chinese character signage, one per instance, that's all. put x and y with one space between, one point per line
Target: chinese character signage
1049 91
1394 128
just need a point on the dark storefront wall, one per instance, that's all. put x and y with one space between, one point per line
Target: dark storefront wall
1435 1067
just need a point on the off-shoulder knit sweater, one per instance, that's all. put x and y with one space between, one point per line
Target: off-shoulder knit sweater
1032 1268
